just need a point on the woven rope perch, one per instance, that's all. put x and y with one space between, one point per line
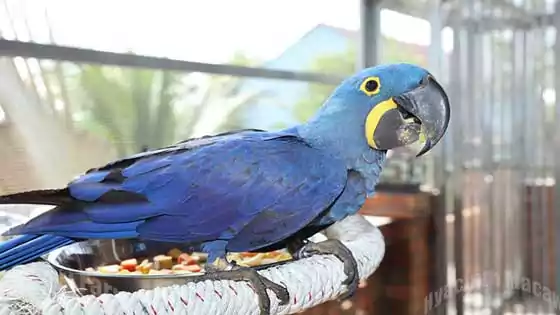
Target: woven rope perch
34 288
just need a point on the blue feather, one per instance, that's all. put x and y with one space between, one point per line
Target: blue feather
95 177
200 195
14 242
238 191
147 166
86 229
106 213
53 217
27 248
239 188
90 191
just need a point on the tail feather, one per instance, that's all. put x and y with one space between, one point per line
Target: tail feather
27 248
55 197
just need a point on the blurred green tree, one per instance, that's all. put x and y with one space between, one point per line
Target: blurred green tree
345 64
139 109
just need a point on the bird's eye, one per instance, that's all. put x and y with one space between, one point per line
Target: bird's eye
370 86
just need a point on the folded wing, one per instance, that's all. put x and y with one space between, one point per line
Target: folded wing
251 190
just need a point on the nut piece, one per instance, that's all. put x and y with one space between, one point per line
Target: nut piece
174 253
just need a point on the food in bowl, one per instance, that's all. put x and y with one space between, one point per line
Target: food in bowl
178 262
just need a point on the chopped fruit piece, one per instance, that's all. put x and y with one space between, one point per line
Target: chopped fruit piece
201 256
187 259
129 264
193 268
273 254
163 262
145 269
179 267
142 264
183 258
189 268
161 272
110 269
253 261
177 262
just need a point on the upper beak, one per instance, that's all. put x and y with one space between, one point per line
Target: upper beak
401 120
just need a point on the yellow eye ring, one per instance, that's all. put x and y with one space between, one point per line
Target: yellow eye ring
370 86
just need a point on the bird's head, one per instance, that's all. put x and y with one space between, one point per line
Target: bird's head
388 106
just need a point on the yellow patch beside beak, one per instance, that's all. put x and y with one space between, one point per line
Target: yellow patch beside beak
374 117
419 114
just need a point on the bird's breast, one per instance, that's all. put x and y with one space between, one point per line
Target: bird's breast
369 166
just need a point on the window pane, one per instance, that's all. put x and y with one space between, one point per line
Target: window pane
286 35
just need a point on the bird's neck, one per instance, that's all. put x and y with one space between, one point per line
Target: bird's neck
347 143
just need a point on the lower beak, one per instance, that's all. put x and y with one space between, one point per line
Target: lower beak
402 120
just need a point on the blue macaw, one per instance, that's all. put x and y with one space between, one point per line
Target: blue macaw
250 190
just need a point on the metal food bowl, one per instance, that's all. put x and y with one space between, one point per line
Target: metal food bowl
72 260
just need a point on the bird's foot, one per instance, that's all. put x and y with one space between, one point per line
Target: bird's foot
223 270
340 251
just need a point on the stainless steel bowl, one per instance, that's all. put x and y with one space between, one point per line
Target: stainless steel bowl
72 260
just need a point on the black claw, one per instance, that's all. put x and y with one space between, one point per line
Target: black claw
259 283
340 251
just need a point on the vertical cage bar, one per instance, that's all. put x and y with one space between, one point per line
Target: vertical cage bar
477 92
487 154
530 157
437 175
469 86
501 177
369 51
517 87
453 192
494 151
539 249
556 22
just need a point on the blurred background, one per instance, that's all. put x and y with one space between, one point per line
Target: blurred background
85 82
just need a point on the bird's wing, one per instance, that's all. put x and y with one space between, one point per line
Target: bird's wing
254 190
181 146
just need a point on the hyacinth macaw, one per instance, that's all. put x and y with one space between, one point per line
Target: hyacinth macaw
249 190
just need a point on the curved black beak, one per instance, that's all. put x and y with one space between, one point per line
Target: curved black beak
402 120
430 105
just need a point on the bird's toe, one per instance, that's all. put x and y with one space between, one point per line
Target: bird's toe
340 251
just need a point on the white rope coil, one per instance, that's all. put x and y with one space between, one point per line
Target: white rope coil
35 289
